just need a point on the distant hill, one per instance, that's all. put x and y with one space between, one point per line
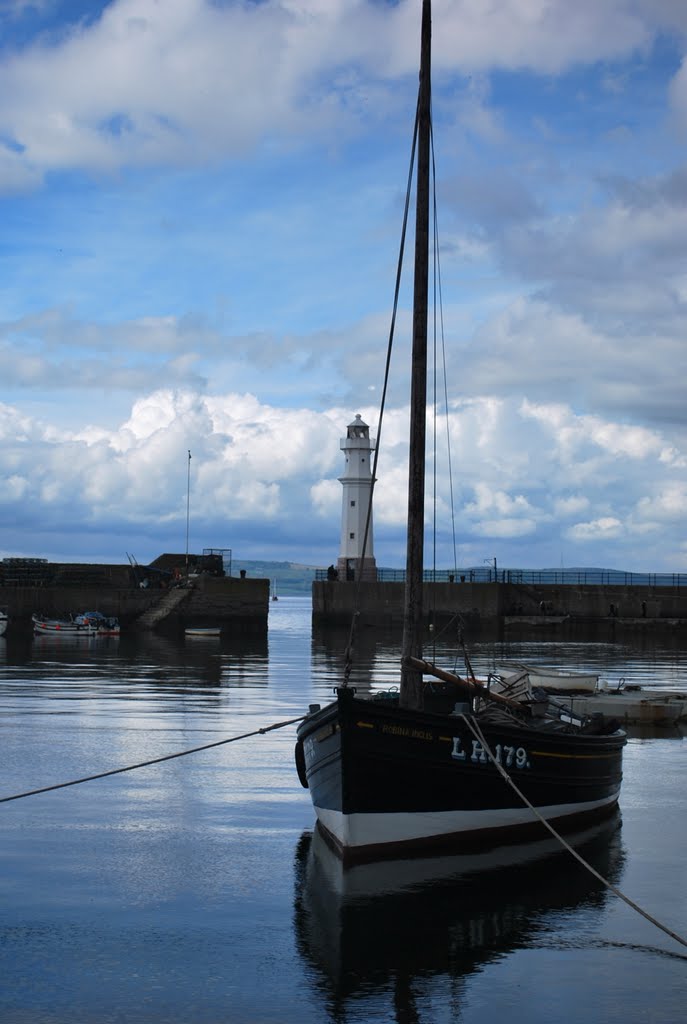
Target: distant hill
290 577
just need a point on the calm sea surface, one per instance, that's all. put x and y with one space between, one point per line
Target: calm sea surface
195 890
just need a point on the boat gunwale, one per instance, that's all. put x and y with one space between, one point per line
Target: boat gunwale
574 745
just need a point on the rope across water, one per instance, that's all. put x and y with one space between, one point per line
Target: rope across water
472 726
479 735
154 760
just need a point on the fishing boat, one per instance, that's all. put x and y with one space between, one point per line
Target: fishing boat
83 624
445 760
104 625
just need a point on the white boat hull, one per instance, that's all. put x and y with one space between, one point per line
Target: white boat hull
558 681
357 831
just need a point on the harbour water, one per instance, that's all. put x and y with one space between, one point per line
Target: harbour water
196 891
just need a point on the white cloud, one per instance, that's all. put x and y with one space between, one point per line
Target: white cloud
579 434
145 83
567 507
326 498
664 506
487 499
505 528
547 37
678 96
254 464
607 528
209 261
15 488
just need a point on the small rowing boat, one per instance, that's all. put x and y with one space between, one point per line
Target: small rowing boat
555 680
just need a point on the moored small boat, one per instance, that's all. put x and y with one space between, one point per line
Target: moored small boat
84 624
203 631
633 707
3 621
555 680
629 705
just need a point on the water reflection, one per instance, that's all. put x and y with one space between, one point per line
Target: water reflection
377 929
650 659
133 667
167 894
22 649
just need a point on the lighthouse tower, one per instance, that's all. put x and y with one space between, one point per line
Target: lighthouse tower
357 496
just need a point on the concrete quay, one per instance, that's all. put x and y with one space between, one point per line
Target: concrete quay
508 604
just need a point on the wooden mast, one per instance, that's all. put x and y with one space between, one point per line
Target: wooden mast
411 678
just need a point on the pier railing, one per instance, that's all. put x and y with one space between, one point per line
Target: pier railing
536 577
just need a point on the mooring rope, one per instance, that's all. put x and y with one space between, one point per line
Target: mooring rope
154 760
472 726
479 735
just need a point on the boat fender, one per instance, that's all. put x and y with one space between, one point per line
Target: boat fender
300 764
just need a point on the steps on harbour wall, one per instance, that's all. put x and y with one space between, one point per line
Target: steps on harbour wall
162 609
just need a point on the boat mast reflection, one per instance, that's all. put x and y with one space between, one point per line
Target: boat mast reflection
376 929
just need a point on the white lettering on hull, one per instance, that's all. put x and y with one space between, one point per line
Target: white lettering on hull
509 757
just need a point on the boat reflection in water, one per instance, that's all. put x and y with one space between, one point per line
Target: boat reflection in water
371 929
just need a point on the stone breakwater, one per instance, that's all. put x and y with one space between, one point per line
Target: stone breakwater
509 603
210 601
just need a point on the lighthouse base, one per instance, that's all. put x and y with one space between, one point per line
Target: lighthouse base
348 569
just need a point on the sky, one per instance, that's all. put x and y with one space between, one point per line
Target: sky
200 214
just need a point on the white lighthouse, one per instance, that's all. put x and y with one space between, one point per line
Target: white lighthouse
358 447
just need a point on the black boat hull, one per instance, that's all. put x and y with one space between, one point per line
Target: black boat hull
385 780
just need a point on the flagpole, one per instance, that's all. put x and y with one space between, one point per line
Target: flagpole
188 505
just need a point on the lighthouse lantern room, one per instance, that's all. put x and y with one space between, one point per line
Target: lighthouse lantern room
358 447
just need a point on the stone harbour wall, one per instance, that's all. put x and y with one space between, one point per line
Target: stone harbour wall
334 601
212 601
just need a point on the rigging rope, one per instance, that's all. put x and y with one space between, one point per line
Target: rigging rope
479 735
145 764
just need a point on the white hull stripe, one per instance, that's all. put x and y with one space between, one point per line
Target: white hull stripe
358 830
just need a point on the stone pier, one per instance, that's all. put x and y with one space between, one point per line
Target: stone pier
506 603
